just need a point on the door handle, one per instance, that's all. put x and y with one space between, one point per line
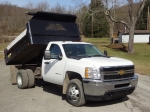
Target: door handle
46 62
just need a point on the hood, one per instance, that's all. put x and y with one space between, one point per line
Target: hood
105 61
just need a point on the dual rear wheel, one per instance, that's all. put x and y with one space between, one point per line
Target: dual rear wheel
25 79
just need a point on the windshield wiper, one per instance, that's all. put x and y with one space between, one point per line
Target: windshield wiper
98 56
77 58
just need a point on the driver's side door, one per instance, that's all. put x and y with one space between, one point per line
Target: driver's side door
53 68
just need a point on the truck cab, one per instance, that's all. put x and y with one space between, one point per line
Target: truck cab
101 77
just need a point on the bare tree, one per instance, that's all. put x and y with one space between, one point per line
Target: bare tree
58 9
29 6
129 19
133 17
43 6
39 6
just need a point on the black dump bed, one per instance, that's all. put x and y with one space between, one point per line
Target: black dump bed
42 28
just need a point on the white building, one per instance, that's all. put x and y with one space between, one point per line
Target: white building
140 36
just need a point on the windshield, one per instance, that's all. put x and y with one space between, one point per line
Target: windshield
79 51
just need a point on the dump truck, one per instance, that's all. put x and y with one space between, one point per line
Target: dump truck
51 48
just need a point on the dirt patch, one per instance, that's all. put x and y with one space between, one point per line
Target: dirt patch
119 47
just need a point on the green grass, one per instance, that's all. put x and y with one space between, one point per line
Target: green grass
1 56
141 56
3 46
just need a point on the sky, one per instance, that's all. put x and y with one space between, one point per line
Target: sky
22 3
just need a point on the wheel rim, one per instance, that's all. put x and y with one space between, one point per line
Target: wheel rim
74 93
19 80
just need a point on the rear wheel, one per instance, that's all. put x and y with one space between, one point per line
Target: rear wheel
75 94
22 79
31 78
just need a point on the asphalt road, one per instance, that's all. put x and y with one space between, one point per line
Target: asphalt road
47 97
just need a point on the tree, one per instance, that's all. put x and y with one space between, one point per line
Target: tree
143 21
39 6
58 9
95 23
133 17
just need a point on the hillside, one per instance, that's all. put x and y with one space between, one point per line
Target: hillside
12 19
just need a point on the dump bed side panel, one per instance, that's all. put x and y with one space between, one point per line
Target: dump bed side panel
44 31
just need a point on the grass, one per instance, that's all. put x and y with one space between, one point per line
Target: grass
3 46
1 56
141 57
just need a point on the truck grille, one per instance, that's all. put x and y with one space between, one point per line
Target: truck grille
115 73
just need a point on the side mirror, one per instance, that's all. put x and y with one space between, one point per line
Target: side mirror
105 52
60 57
47 55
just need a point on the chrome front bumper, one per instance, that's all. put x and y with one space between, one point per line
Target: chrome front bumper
98 88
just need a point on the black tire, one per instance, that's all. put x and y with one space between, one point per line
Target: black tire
22 79
75 94
31 78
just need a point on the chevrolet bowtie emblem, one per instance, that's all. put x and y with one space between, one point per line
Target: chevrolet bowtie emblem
121 72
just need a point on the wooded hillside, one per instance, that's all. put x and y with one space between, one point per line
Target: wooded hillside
12 19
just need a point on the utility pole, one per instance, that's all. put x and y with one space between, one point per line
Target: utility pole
148 20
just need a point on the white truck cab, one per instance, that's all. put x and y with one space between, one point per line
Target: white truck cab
101 77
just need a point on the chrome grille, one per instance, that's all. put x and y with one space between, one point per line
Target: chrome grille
116 73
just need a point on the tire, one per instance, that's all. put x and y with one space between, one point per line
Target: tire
31 78
22 79
75 94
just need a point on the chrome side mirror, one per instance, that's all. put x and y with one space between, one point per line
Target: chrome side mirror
47 55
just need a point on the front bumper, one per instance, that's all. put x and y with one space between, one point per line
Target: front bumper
99 90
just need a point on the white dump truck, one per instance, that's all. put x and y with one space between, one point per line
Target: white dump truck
51 48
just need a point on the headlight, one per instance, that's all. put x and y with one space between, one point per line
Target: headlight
91 73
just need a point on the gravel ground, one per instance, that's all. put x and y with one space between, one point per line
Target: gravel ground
47 97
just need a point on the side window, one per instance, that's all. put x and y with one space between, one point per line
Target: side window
55 51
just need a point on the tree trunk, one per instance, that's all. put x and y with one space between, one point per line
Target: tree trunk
131 36
111 32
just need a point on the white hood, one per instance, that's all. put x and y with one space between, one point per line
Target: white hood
105 61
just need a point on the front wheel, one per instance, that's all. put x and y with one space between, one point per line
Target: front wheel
75 94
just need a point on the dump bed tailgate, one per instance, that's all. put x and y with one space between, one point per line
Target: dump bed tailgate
42 28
